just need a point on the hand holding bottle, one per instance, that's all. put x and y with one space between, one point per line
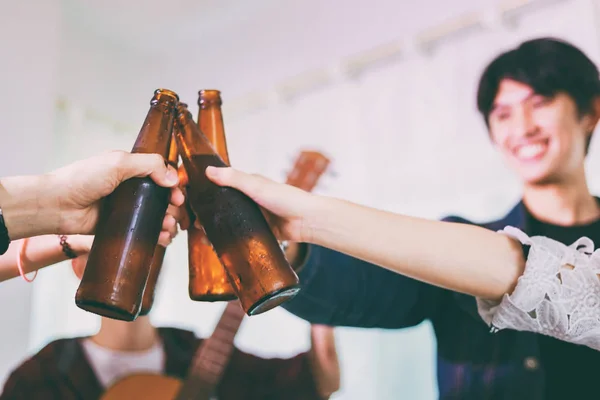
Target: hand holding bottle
288 207
67 200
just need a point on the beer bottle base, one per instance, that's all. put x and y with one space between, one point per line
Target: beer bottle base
106 310
144 312
273 300
213 298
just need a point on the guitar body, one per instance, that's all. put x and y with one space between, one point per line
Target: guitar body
144 386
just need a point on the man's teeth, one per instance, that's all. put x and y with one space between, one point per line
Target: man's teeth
530 150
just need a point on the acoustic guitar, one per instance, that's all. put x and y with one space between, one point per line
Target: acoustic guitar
212 357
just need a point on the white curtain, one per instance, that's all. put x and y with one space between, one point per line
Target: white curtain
405 138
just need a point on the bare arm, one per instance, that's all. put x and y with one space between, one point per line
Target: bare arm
324 360
29 205
68 200
459 257
39 252
550 296
455 256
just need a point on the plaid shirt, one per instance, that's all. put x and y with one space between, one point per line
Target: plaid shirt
61 371
472 363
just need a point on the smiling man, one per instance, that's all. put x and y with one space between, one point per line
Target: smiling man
540 104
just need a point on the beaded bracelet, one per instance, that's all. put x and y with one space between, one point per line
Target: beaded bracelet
66 247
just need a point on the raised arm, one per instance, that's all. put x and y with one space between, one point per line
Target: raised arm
40 252
67 200
459 257
531 284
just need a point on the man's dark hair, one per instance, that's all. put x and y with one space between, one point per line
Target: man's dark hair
549 66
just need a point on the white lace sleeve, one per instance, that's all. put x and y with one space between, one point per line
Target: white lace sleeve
558 294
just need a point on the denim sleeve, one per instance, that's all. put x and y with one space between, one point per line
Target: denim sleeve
340 290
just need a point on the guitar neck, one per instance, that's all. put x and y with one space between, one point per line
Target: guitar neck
213 355
220 343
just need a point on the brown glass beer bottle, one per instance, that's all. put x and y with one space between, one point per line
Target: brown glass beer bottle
208 278
234 224
129 225
159 252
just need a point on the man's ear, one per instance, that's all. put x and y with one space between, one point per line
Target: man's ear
79 264
594 115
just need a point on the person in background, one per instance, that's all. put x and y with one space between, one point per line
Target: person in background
84 367
538 277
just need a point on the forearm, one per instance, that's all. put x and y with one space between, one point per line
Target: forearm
459 257
324 360
39 252
28 207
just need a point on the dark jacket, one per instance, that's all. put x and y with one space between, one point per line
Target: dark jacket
61 371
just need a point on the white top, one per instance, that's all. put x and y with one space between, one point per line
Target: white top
558 294
111 365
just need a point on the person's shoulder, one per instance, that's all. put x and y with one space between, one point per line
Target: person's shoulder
49 352
458 219
37 367
179 333
514 216
492 225
177 338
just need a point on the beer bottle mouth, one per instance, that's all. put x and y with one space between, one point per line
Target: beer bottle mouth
158 93
182 109
208 97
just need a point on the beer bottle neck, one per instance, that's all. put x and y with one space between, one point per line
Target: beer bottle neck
191 141
155 135
210 122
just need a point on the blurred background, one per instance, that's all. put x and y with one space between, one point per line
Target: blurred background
386 89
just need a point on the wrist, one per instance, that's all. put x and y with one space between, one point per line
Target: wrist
315 218
80 244
27 207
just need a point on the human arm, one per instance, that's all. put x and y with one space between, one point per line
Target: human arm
460 257
558 295
340 290
66 201
530 284
75 191
324 360
40 252
46 250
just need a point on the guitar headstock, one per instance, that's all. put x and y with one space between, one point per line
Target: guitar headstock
307 170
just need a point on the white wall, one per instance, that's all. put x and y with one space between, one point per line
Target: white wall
405 138
30 32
